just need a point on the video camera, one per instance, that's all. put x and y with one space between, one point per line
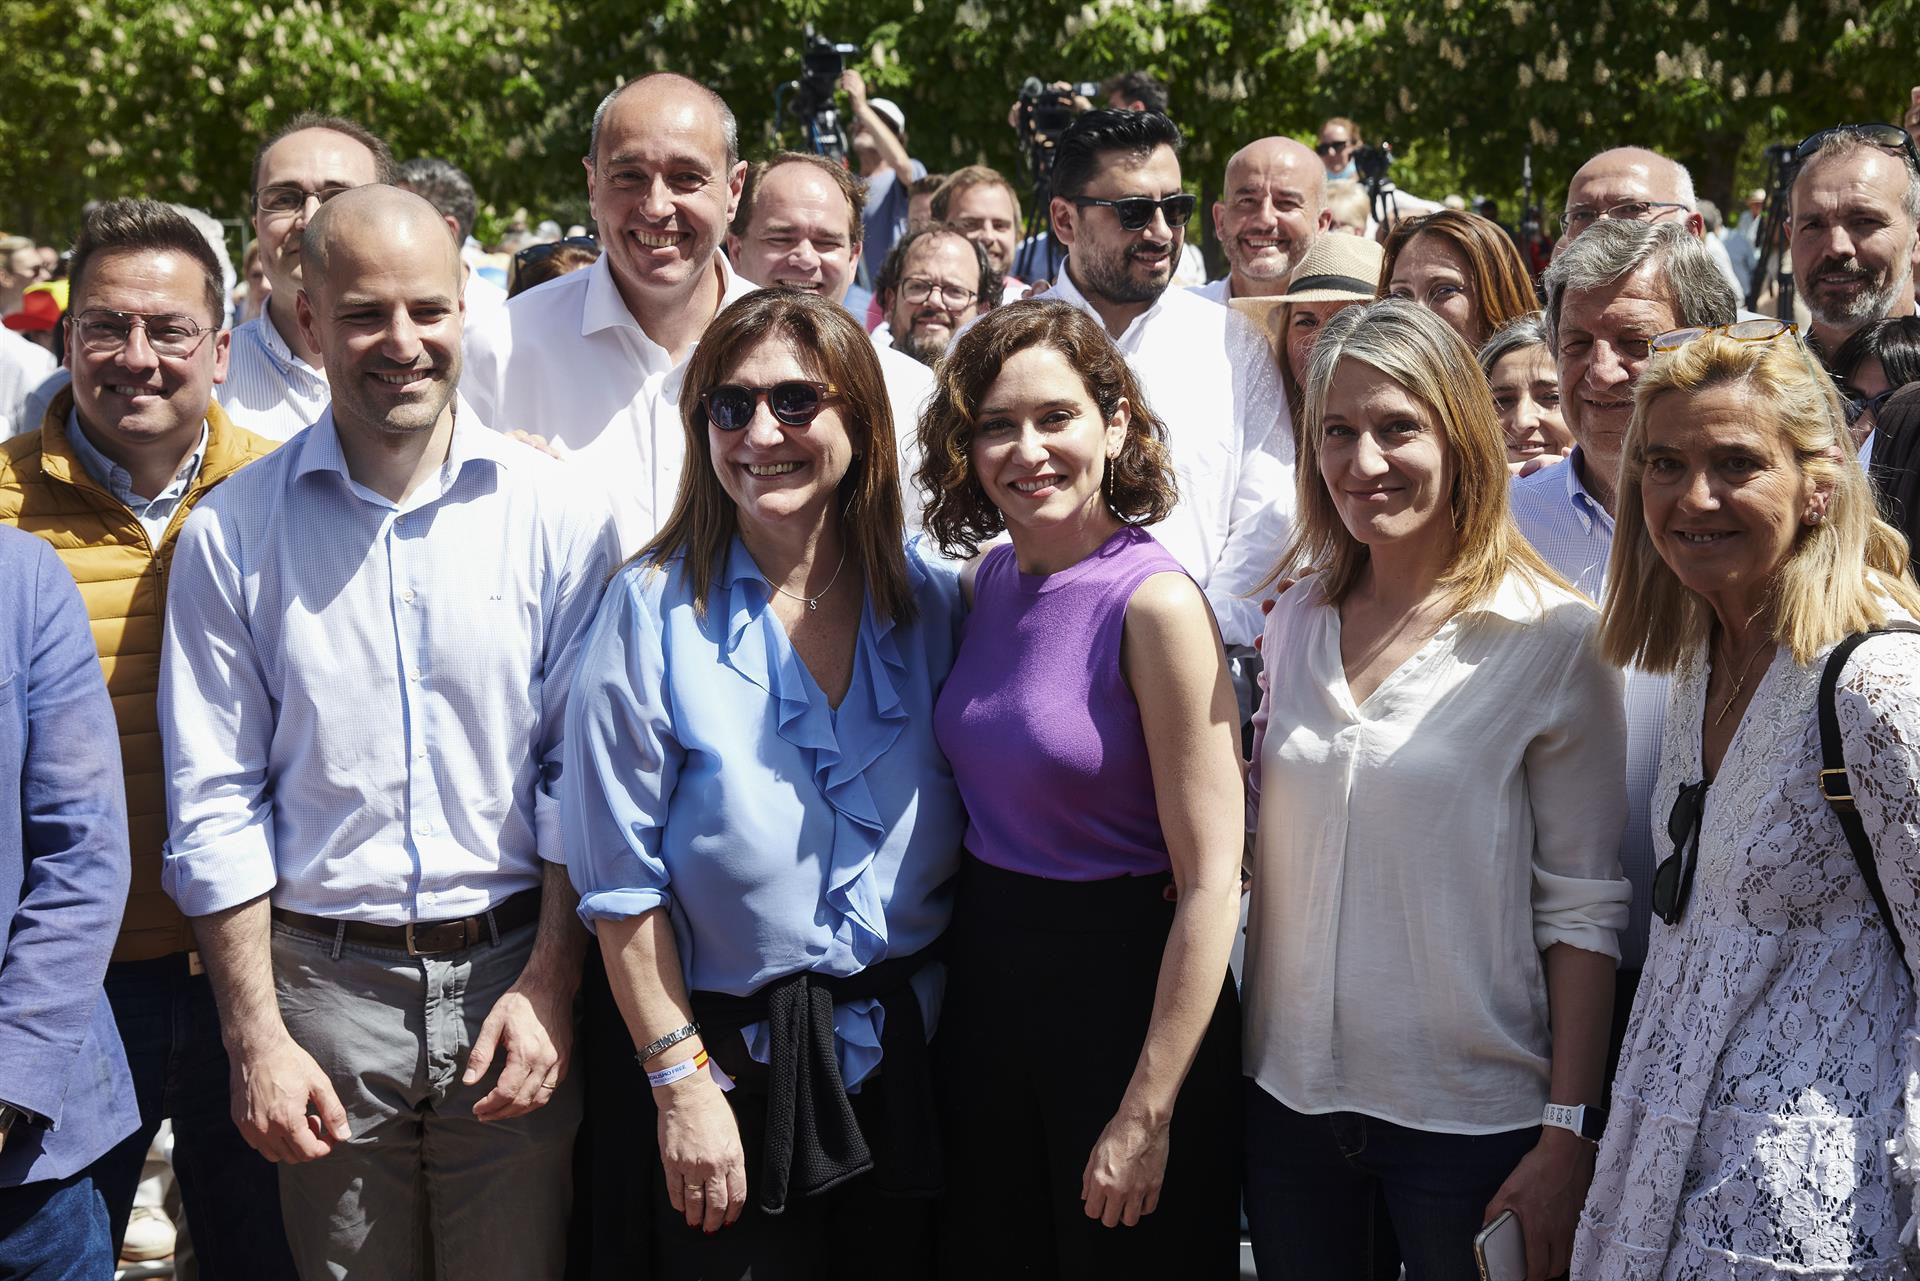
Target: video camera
1372 163
810 98
1046 112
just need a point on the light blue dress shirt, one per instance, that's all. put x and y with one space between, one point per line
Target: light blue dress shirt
269 389
1573 532
154 514
707 774
361 700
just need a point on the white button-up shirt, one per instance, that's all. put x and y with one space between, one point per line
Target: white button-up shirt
361 700
23 366
566 360
1210 376
270 389
1574 534
1417 852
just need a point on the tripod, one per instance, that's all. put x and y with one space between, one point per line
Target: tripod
1039 218
1771 237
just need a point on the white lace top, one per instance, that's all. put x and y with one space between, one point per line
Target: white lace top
1763 1114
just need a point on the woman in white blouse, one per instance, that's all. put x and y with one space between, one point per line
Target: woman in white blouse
1763 1120
1439 772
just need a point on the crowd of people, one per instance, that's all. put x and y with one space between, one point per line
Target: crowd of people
751 755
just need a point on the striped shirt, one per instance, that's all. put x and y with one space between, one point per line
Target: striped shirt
269 388
1574 533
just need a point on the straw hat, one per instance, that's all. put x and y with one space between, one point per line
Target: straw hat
1339 268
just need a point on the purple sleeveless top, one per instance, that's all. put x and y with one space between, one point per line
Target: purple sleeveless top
1042 731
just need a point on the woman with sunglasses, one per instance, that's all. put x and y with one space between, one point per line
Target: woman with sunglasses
1088 1050
1439 775
758 819
1761 1121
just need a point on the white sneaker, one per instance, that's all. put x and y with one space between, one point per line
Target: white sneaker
150 1236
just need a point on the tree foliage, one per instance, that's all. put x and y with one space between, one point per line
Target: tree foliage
169 98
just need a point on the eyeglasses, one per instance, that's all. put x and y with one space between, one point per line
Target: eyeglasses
1673 879
1740 331
916 289
1578 218
1135 212
285 198
1329 148
796 402
1889 138
101 332
1858 406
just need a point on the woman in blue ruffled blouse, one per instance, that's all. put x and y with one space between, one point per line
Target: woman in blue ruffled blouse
758 820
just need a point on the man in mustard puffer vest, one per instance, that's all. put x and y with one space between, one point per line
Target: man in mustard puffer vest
120 459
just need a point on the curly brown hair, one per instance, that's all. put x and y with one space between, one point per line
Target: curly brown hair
959 515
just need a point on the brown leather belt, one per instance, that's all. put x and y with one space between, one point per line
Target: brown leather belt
423 938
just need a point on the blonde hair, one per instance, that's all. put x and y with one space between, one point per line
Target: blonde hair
1418 350
1839 574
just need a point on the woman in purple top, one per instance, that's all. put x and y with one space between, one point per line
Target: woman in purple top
1092 733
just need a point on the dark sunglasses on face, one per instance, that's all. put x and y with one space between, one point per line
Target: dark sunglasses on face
1329 148
1135 212
796 402
1673 879
1858 406
1886 137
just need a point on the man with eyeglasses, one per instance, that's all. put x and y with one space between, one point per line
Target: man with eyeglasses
1638 185
275 384
1855 216
1610 294
936 282
123 455
1119 209
799 226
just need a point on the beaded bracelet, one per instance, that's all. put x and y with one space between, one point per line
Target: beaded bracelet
671 1039
678 1072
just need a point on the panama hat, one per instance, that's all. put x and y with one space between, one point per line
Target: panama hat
1339 268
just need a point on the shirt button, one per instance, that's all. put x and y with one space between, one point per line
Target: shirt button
406 595
413 673
423 829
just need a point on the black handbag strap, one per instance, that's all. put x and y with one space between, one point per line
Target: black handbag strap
1836 786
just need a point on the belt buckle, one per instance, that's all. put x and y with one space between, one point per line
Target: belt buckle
413 945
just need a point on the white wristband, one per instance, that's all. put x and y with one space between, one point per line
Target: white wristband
678 1072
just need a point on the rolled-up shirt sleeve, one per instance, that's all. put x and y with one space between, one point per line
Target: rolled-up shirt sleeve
1576 783
589 552
621 759
216 718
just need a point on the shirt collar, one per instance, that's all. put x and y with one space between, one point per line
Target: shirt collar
604 308
319 451
282 355
117 480
1585 506
1518 599
1066 291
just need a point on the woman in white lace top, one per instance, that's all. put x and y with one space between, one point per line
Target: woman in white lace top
1761 1125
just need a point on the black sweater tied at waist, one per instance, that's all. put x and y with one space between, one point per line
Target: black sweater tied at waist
813 1140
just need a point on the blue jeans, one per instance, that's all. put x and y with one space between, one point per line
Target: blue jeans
55 1230
231 1193
1314 1184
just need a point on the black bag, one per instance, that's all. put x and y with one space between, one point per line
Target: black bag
1837 787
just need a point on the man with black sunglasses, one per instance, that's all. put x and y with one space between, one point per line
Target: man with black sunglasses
1855 220
1119 208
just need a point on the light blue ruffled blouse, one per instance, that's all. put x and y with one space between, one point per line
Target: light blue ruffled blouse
705 772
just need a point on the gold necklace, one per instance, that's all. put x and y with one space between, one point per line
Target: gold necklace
1741 683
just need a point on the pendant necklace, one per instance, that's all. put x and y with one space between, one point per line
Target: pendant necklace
813 602
1739 684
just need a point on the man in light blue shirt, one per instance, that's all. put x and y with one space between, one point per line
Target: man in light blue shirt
1609 294
367 658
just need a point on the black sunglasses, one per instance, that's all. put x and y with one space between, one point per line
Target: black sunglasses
795 402
547 248
1135 212
1886 137
1328 148
1858 406
1673 879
